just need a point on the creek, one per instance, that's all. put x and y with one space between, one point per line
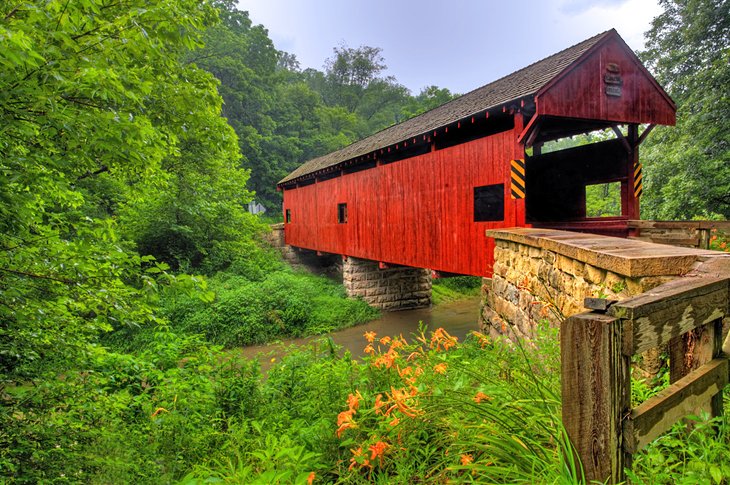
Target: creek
458 318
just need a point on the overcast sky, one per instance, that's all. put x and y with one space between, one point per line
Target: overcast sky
456 44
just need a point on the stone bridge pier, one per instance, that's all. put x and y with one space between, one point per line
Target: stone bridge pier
386 287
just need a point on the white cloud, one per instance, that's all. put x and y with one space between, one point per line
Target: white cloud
630 18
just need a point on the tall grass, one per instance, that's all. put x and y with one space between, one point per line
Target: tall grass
424 410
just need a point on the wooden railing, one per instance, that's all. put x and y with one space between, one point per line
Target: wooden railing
596 349
695 234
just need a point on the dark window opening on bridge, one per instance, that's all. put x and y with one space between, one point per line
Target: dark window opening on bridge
489 203
603 200
342 213
288 216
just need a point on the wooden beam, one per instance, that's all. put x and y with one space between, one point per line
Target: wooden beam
644 134
596 394
621 137
532 129
657 414
656 317
444 274
693 350
686 225
537 149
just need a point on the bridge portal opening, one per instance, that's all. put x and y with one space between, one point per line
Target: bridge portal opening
585 186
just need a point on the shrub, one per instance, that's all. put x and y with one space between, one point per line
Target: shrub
281 304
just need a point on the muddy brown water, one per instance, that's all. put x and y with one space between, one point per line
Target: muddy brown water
459 318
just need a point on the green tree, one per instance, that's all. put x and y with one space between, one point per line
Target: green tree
429 98
250 70
688 167
96 114
353 79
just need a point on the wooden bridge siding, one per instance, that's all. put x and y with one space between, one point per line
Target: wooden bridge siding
303 226
581 92
416 212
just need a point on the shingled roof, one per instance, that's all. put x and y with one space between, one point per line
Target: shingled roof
525 82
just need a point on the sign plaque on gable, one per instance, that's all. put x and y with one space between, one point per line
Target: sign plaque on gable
613 90
613 80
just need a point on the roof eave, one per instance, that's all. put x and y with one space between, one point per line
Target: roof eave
508 105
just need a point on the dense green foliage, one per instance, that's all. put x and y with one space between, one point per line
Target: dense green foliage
411 412
116 165
603 200
253 309
688 166
118 176
100 122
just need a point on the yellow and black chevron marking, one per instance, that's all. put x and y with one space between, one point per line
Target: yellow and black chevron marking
638 181
518 179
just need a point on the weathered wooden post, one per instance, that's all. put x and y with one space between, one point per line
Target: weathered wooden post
693 350
596 393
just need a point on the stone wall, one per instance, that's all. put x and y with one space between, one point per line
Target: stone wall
394 288
542 275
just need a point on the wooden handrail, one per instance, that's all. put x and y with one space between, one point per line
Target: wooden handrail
596 351
659 413
670 310
677 233
639 224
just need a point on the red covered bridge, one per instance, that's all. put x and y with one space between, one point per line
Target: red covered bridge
422 193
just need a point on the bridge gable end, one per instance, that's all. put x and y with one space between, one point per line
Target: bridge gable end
607 83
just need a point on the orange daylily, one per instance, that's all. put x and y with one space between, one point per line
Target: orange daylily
480 396
481 338
399 398
466 458
353 401
378 450
310 478
441 338
386 360
345 421
370 336
379 404
440 368
398 343
158 411
385 340
358 458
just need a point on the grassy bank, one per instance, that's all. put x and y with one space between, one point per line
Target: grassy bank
445 290
256 300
